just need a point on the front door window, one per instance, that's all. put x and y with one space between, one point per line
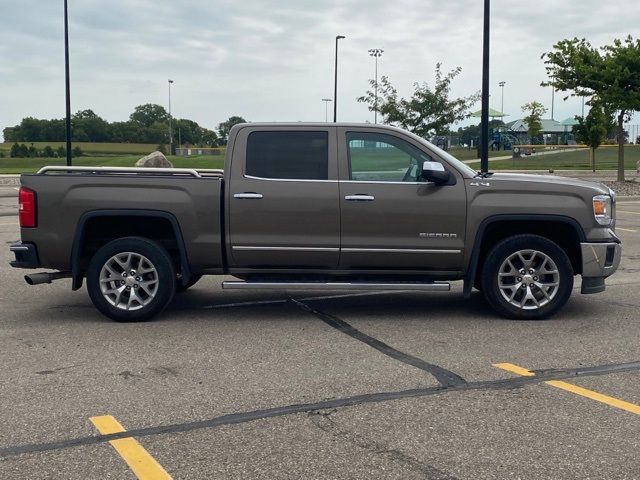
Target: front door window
376 157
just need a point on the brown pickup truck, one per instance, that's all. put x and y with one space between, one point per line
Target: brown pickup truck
318 206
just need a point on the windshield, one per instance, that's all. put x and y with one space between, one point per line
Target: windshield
461 167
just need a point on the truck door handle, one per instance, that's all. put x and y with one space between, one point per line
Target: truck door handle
360 197
248 195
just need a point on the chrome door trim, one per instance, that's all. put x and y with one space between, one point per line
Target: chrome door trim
286 249
376 182
397 250
251 177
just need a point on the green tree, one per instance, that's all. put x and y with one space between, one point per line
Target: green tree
149 114
225 127
89 127
209 138
428 112
533 120
592 130
76 152
48 152
611 73
15 150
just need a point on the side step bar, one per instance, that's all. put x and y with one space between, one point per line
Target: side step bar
255 285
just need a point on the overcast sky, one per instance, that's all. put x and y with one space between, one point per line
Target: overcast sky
272 60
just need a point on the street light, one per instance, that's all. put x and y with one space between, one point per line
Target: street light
335 82
502 84
170 121
376 52
484 132
67 81
326 108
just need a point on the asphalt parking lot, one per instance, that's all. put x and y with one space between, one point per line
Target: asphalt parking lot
266 385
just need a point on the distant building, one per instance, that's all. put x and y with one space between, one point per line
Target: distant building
552 130
195 151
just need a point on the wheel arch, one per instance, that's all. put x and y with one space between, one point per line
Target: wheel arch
565 231
158 221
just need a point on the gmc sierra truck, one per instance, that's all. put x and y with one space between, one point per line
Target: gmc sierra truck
317 206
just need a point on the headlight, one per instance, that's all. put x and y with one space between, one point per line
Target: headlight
602 209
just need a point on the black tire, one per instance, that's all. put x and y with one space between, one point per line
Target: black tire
162 281
539 303
192 281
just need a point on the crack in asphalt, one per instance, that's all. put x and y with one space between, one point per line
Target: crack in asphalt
324 422
445 377
367 398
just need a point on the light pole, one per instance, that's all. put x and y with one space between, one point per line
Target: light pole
170 121
335 82
484 132
67 81
502 84
326 108
553 99
376 52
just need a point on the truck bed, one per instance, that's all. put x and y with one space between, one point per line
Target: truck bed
66 197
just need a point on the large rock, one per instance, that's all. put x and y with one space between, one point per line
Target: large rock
154 160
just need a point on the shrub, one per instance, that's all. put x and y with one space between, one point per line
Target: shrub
76 152
47 152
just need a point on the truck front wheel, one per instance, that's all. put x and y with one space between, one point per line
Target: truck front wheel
131 279
527 277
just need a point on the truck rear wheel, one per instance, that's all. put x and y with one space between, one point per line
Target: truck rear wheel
527 277
131 279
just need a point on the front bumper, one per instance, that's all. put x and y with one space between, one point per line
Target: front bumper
599 260
26 255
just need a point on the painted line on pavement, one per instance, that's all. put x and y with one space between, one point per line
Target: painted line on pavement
627 230
143 465
583 392
10 223
281 411
627 211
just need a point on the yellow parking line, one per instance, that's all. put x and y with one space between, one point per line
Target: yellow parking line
626 230
143 465
598 397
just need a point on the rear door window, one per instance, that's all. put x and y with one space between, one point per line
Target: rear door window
288 155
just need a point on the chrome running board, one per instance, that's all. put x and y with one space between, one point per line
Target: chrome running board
256 285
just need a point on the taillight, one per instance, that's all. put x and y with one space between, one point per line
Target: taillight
27 212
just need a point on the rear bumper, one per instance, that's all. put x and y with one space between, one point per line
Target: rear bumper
26 255
599 260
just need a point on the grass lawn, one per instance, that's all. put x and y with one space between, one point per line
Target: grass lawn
23 165
606 159
93 148
466 154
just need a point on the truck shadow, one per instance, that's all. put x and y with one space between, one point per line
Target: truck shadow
396 306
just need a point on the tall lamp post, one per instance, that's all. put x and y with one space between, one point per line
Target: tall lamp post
326 108
67 81
484 131
376 53
335 82
502 84
170 121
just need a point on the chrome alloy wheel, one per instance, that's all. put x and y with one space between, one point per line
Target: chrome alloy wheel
528 279
129 281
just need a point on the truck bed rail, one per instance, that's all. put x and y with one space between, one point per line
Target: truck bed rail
199 173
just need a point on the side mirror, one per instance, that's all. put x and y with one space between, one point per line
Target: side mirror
435 172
